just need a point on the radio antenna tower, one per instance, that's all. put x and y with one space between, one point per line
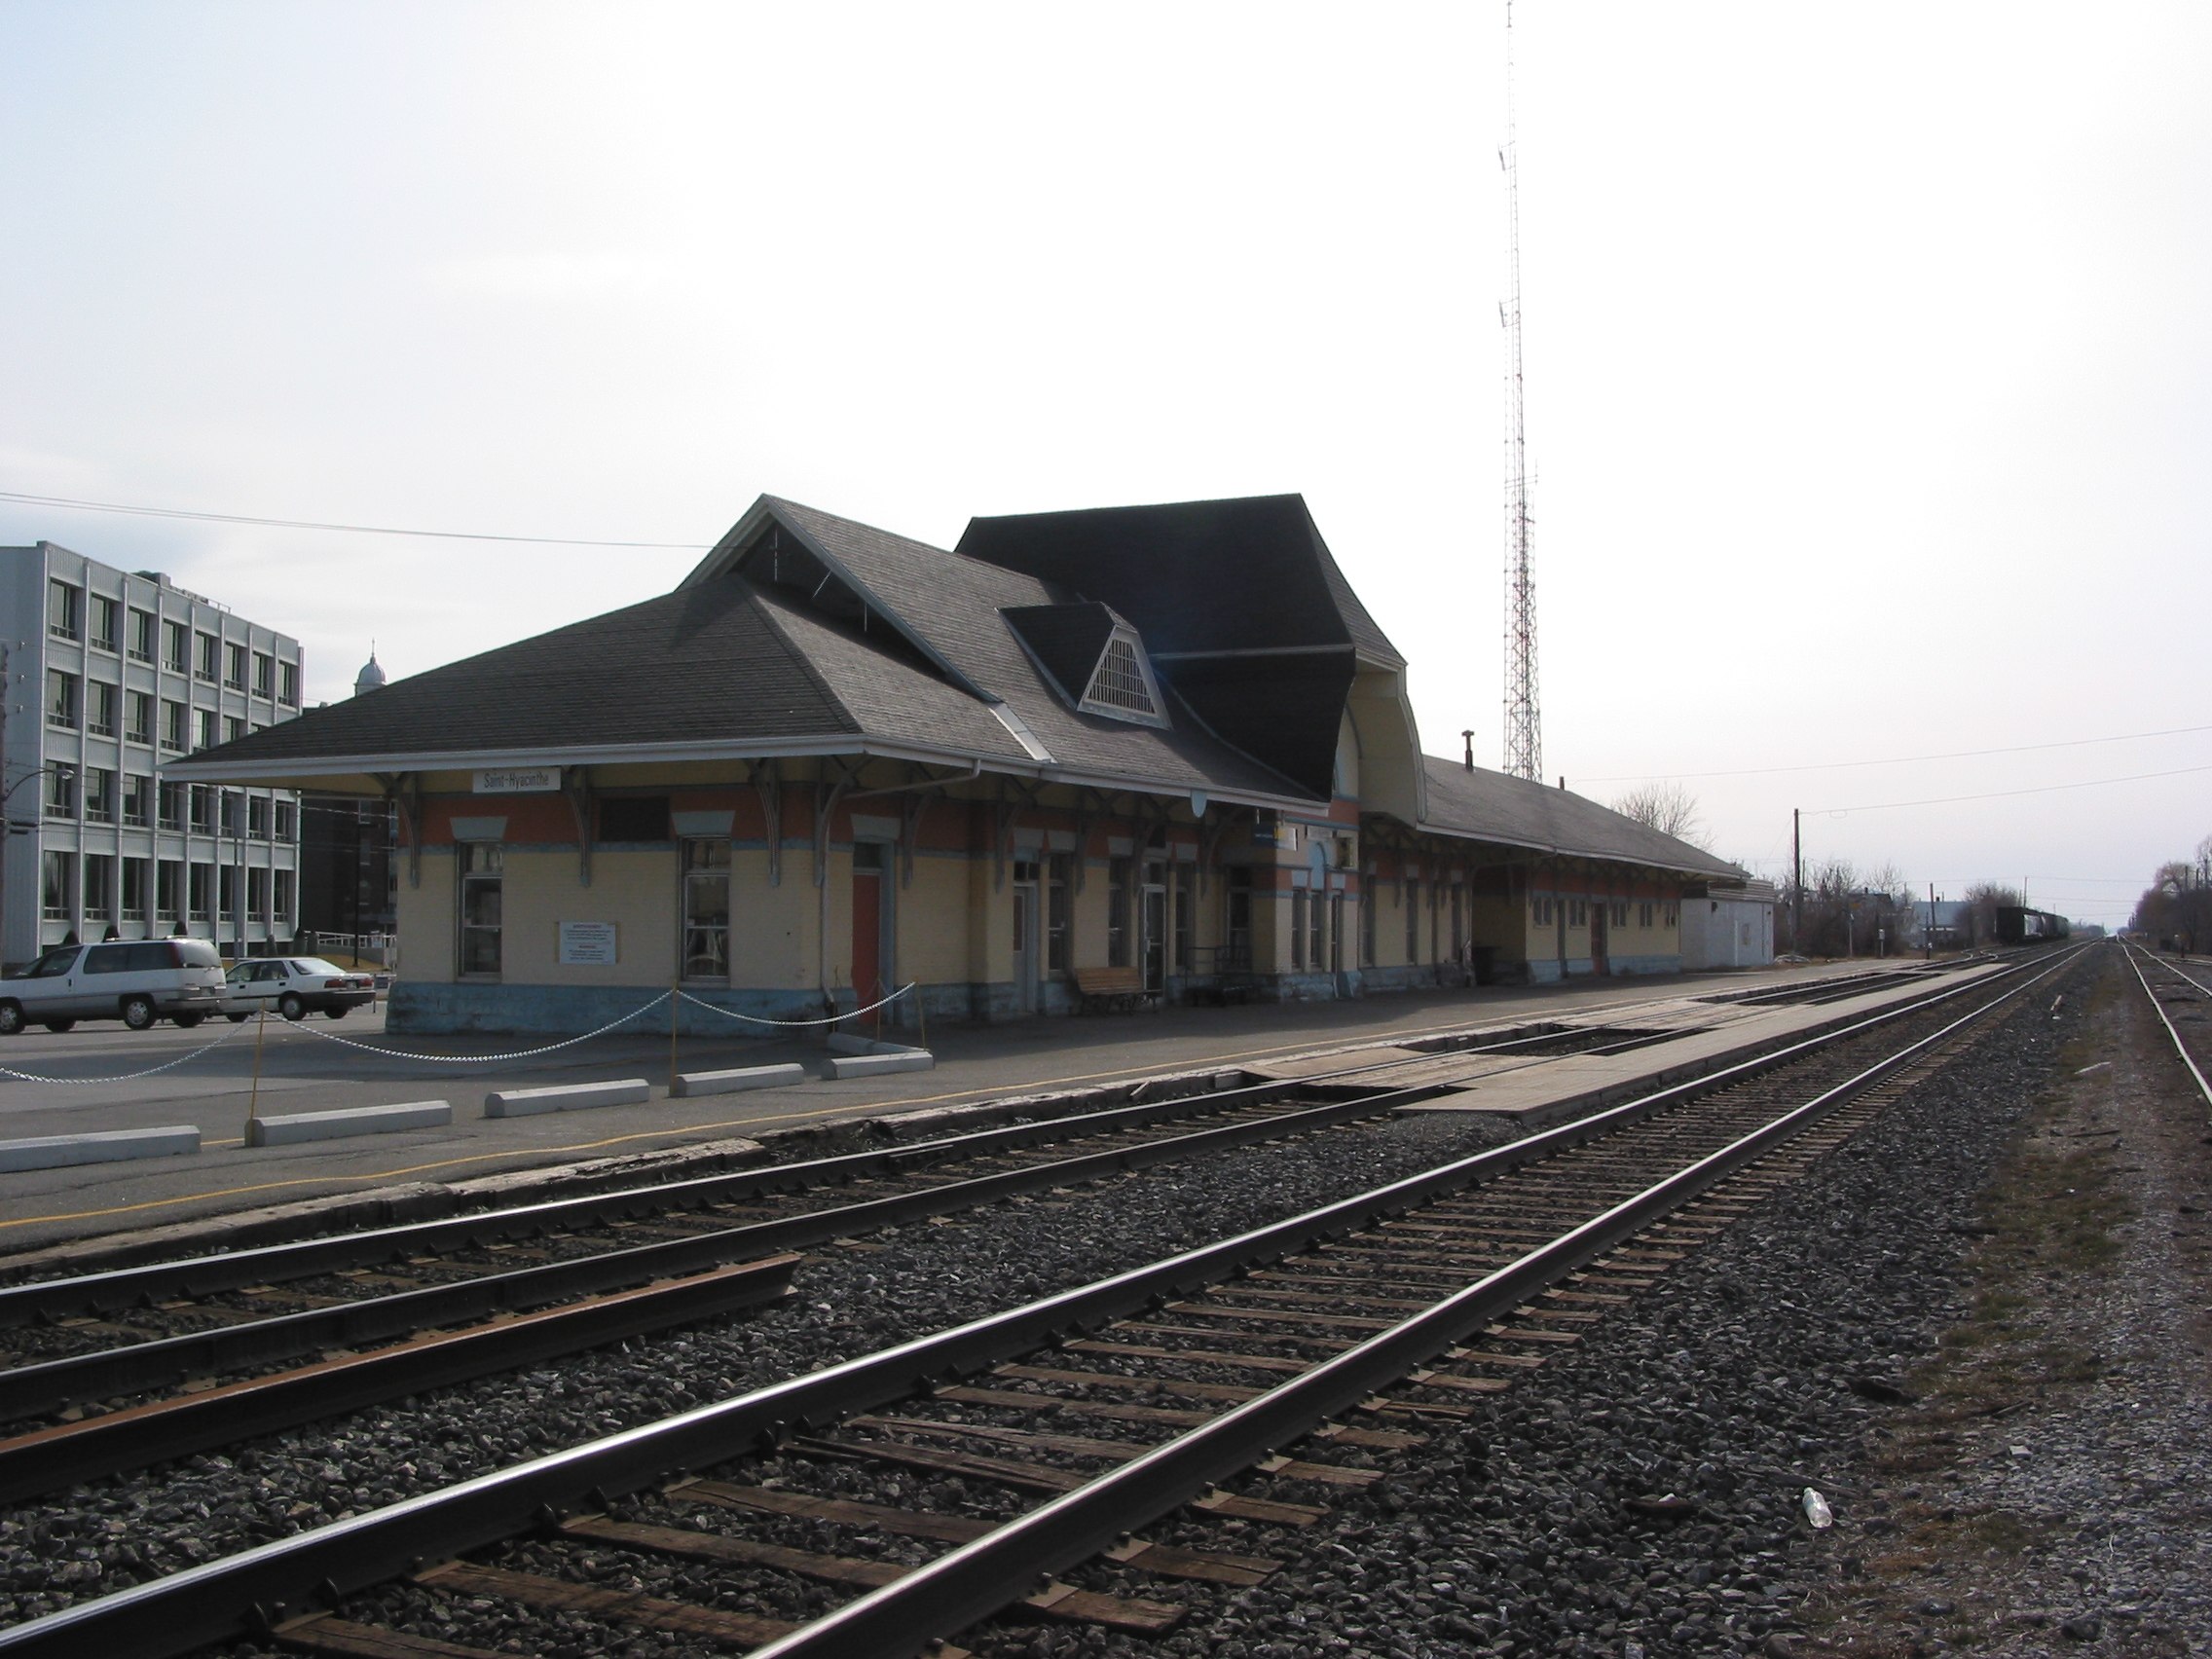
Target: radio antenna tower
1524 727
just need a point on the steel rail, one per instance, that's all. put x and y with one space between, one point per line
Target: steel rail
130 1439
257 1587
970 1581
2173 1034
234 1269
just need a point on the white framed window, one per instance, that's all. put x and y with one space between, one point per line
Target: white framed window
706 910
482 864
65 610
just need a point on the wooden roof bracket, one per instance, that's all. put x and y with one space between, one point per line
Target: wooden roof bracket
575 789
768 785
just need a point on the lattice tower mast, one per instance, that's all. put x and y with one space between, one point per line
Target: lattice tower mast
1523 726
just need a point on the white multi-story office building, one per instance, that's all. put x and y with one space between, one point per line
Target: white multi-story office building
110 676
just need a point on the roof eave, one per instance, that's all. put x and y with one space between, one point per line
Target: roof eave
676 753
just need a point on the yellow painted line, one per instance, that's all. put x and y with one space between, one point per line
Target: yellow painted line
734 1124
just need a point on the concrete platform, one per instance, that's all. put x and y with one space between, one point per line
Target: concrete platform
289 1128
567 1097
372 1179
1535 1092
876 1065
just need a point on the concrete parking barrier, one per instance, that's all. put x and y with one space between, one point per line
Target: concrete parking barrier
888 1057
287 1128
98 1146
688 1084
567 1097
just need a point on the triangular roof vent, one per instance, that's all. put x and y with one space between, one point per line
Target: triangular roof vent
1092 657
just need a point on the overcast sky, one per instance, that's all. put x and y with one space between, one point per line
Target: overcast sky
1869 369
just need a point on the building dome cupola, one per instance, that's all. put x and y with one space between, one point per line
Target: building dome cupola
371 676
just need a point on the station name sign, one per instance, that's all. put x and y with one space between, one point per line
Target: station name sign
529 780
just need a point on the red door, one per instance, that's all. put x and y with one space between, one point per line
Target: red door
868 934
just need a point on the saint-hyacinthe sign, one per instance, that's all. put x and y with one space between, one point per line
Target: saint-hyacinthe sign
527 780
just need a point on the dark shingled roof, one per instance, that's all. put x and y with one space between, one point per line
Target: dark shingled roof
1170 569
707 664
724 661
1494 806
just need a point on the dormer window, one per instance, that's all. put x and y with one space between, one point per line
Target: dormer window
1092 659
1122 685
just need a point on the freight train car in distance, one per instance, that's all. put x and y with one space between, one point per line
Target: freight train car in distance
2019 925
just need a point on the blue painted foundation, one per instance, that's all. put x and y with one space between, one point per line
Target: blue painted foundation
569 1011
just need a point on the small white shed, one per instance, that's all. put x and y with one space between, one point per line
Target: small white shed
1730 927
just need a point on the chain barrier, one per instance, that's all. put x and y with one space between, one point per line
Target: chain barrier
832 1019
127 1076
481 1059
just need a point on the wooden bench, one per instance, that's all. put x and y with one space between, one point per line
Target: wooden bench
1119 989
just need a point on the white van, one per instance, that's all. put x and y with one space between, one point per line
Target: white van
138 983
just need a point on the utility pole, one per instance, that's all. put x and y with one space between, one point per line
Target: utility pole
1797 881
1523 730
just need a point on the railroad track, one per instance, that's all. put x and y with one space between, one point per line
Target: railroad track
2183 1003
945 1480
391 1311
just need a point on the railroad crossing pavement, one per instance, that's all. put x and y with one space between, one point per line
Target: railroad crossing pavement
303 1068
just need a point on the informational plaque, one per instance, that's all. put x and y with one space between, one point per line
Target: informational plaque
526 780
590 944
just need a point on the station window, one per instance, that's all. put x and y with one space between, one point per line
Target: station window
1186 915
706 910
1317 949
481 863
1578 913
1060 872
1674 915
1644 914
1297 929
1458 923
1413 919
1118 873
1237 921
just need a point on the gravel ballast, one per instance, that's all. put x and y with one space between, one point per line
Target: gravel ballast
1731 1385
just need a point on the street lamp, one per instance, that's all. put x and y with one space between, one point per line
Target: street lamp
62 769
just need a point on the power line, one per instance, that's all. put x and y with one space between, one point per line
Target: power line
350 528
2001 795
1902 759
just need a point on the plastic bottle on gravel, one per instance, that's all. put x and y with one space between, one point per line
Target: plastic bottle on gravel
1817 1510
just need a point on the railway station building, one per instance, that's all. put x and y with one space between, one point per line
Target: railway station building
1166 742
